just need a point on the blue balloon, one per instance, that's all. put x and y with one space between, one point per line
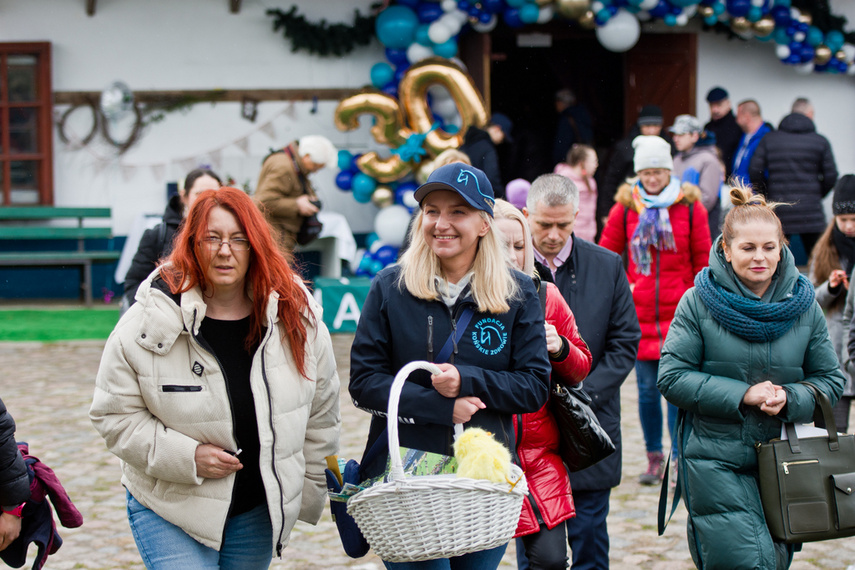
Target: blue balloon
660 9
396 27
397 56
602 17
363 186
381 74
399 73
529 13
447 49
428 12
391 89
386 254
354 166
781 15
738 8
345 158
344 180
512 18
806 53
408 3
494 6
422 36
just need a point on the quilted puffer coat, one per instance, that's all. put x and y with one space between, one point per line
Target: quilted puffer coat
671 272
705 371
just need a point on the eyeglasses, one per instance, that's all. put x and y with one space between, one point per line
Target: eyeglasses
215 243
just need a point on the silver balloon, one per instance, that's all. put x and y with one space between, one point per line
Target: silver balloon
117 100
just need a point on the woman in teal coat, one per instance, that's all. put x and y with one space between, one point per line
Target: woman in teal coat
742 343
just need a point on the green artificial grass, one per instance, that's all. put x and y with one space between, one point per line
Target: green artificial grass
58 324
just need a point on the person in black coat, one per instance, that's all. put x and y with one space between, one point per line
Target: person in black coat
795 165
723 125
593 282
620 165
480 146
14 481
156 242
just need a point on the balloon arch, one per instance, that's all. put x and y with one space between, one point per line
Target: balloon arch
422 100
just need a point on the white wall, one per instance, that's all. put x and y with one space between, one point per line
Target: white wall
198 44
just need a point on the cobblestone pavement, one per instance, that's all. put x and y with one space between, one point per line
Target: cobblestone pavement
48 388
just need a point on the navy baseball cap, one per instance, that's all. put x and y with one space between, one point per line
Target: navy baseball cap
716 94
470 182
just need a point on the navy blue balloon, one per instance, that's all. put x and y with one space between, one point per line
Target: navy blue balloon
738 8
463 5
429 11
660 9
494 6
676 10
781 15
354 166
512 18
386 254
408 3
391 89
806 53
485 17
344 180
397 56
399 73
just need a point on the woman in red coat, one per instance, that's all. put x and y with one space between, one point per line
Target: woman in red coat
665 226
549 502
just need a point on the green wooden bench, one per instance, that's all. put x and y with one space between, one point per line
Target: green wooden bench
57 223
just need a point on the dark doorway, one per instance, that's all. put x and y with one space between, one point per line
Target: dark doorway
523 83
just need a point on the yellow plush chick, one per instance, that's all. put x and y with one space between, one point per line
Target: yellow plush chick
480 456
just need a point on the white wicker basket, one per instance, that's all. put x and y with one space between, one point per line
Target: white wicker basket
409 519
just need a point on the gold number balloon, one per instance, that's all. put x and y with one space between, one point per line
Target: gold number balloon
392 129
412 92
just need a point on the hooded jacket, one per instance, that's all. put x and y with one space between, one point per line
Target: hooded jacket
160 393
705 370
671 272
795 165
502 359
282 180
155 244
538 438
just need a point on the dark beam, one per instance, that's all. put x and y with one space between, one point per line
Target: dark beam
234 6
147 97
90 7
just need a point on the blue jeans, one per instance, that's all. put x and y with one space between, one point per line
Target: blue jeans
650 406
482 560
588 533
247 542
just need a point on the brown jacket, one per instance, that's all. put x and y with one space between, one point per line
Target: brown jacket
281 182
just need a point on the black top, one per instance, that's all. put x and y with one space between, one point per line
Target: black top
226 339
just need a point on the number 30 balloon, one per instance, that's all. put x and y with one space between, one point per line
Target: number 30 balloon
396 121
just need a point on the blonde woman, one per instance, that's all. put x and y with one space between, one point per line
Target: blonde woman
453 285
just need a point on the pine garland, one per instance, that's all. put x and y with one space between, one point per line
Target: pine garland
322 38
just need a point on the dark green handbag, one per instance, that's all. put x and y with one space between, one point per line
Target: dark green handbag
807 485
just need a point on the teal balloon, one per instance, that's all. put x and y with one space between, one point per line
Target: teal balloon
422 36
396 27
529 13
381 74
834 40
370 239
363 187
814 36
755 13
780 36
344 159
446 49
515 3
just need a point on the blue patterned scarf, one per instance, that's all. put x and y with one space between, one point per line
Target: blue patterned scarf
752 319
654 223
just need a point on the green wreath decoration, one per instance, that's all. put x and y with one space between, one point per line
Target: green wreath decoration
322 38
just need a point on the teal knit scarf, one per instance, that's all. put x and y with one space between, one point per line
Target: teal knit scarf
752 319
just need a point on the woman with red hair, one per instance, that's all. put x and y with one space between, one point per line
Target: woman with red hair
218 391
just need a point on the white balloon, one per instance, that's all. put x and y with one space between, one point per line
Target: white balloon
620 33
460 16
643 16
758 3
682 20
596 7
849 50
391 223
439 33
409 199
445 108
448 5
690 11
453 23
438 93
648 4
417 52
799 37
545 15
482 28
782 51
804 68
851 70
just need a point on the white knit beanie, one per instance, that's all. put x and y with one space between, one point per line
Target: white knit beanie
651 152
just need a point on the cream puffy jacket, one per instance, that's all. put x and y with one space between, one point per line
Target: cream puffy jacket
155 432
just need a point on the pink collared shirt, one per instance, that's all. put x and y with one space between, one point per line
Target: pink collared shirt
559 259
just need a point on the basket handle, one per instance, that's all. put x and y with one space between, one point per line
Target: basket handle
397 468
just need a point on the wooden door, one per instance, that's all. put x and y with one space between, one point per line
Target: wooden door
661 70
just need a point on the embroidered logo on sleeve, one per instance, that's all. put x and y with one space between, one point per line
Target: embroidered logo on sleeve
198 368
489 336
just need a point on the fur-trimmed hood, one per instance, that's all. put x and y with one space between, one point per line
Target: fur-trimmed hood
623 196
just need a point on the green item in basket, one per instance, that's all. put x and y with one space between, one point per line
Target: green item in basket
417 463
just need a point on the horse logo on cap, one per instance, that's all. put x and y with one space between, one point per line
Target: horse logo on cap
464 176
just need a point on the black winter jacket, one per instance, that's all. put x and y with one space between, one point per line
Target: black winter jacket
594 284
155 243
727 133
795 164
14 481
479 147
502 359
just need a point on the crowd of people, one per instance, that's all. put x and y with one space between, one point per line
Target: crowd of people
218 387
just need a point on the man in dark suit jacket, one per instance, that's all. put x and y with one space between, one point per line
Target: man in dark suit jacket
593 282
723 124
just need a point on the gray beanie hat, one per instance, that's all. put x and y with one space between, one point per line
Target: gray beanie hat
651 152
